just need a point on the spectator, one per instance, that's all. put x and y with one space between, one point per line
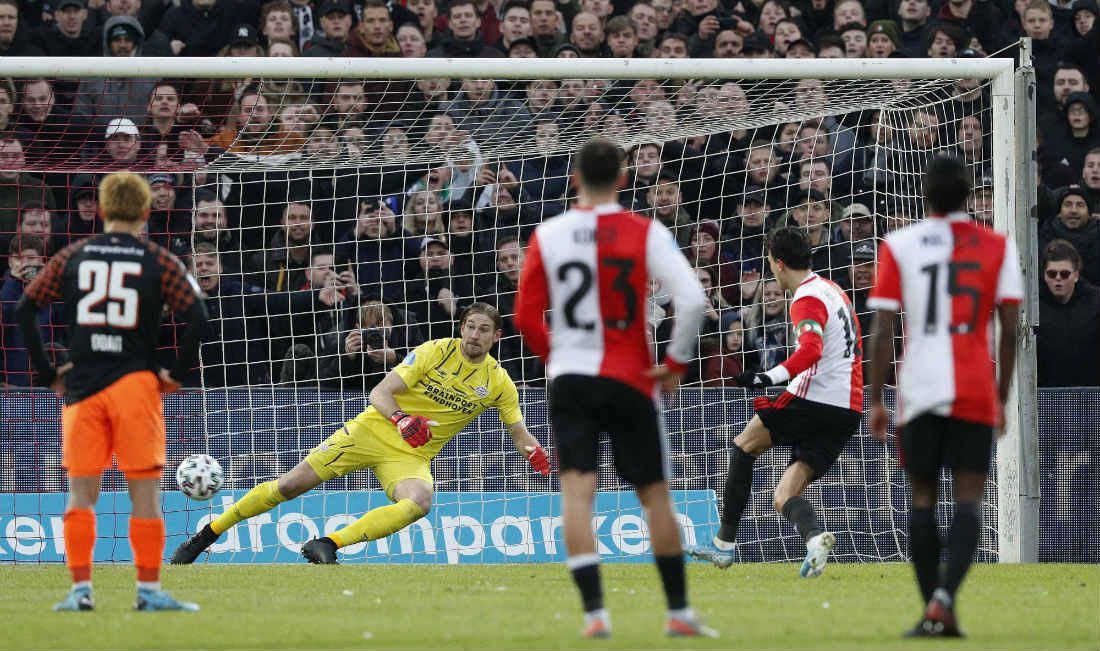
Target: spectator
704 252
234 350
1074 225
522 364
71 34
766 325
411 41
831 46
854 36
202 27
720 369
856 224
943 40
423 215
277 21
914 21
320 308
664 203
14 38
286 259
972 145
27 256
43 127
711 326
98 101
487 113
883 39
376 249
980 19
667 14
1069 315
166 220
515 24
622 38
253 132
121 145
1068 78
432 292
544 178
149 15
15 188
546 28
728 44
1046 52
847 12
644 18
357 356
811 211
498 204
83 210
968 96
336 21
1079 133
587 35
427 12
746 231
465 39
1090 181
373 36
980 202
210 224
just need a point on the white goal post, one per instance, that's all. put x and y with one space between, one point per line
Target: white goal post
861 85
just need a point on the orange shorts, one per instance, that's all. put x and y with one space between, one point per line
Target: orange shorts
126 418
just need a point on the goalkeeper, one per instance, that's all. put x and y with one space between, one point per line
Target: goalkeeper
420 405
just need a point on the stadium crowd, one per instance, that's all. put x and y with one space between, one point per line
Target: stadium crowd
329 276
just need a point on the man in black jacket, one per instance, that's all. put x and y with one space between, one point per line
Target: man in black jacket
464 39
1069 321
71 34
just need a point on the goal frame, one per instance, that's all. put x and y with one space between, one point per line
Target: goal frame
1014 175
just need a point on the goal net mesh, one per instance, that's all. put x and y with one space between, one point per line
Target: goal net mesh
335 224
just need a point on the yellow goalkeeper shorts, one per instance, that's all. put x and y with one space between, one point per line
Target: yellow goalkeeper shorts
355 447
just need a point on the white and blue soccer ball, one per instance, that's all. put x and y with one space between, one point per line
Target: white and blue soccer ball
200 477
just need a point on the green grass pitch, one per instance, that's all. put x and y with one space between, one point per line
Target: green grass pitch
852 606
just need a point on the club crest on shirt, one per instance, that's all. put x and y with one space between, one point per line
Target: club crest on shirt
481 392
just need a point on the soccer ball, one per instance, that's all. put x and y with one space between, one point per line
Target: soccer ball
199 477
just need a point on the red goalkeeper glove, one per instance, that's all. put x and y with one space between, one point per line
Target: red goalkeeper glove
416 430
536 455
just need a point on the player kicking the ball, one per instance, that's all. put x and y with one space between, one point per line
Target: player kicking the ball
816 415
113 287
591 266
947 274
420 405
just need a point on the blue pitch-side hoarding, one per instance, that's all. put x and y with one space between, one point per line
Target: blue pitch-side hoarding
465 527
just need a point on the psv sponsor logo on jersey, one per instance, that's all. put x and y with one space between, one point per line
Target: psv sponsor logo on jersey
481 392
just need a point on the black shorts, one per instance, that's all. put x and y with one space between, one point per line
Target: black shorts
815 431
583 406
930 442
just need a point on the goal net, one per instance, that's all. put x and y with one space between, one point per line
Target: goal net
335 222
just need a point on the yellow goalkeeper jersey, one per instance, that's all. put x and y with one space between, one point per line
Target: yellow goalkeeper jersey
446 387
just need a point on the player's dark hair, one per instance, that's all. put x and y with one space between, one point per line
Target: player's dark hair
599 164
791 246
946 184
482 308
1059 250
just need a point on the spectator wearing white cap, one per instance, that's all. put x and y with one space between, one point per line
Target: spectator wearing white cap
119 148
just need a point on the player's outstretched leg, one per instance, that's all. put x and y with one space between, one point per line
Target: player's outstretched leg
260 499
755 440
412 501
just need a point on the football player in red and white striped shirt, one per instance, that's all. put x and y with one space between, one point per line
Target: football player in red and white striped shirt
816 415
947 274
590 267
